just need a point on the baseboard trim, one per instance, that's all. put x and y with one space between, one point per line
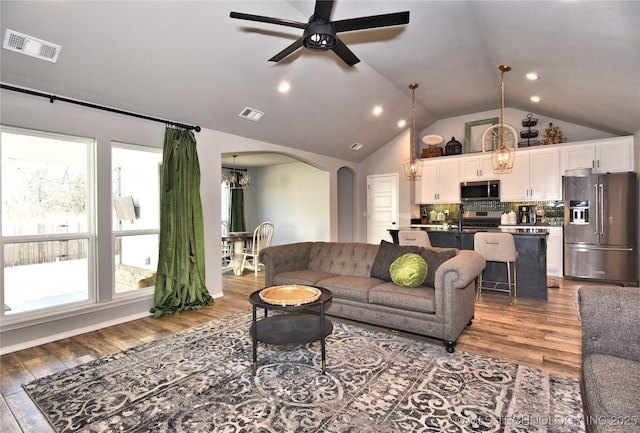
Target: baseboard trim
72 333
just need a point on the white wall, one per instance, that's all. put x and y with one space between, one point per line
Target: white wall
455 126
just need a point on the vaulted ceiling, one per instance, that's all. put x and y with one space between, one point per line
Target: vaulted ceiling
189 61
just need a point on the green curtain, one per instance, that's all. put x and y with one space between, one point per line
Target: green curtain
236 211
180 278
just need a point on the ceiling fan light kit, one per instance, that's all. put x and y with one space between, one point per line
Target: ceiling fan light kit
320 33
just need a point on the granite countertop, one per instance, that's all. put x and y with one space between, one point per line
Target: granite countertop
541 230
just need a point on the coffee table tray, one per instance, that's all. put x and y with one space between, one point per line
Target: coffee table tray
290 295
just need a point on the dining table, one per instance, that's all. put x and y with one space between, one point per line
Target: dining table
238 241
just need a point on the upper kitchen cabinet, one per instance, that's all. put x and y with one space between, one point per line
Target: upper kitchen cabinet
608 155
440 182
474 168
534 176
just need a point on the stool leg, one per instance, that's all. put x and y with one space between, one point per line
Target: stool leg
509 282
479 285
515 280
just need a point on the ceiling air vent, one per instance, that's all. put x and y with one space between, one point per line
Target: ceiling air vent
251 114
31 46
355 146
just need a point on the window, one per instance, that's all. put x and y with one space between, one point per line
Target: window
48 230
136 215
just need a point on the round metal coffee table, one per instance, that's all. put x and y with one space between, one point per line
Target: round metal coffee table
293 328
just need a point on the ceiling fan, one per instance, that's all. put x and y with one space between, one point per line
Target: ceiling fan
320 33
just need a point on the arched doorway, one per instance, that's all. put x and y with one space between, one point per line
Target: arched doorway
346 205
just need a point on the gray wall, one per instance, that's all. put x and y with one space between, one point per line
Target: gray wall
295 197
38 113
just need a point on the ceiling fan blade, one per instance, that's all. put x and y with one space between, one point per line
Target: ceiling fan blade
371 22
261 19
323 10
345 53
290 49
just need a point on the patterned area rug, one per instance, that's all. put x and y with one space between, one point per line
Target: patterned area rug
200 380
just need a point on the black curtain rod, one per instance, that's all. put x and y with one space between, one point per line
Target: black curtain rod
53 98
232 168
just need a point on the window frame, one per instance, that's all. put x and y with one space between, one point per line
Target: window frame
127 233
90 235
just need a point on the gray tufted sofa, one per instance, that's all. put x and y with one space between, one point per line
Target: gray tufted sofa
610 358
442 311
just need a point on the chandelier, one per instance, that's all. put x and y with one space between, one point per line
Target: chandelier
501 138
237 180
413 165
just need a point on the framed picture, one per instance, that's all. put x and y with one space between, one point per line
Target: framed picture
473 134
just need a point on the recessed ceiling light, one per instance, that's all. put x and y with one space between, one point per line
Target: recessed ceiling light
377 110
284 87
535 99
402 123
532 76
355 146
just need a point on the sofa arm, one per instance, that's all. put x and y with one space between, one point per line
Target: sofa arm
610 317
284 258
461 269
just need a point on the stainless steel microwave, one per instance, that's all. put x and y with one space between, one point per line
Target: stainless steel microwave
481 190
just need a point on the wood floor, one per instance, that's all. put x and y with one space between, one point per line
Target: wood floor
545 335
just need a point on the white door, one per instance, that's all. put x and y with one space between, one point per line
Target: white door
382 206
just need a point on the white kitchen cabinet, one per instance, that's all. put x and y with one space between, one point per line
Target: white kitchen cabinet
608 155
476 168
534 176
555 248
439 183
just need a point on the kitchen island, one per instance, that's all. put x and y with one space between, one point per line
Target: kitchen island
531 266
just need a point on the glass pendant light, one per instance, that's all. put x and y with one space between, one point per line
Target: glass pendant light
413 165
502 138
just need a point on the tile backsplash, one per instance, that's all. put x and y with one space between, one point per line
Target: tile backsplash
553 209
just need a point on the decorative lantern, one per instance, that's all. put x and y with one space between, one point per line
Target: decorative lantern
453 147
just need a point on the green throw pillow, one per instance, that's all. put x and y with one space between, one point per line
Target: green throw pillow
408 270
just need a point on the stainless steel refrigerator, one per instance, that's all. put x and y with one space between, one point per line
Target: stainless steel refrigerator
601 227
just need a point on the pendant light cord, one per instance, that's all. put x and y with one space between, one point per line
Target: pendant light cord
503 68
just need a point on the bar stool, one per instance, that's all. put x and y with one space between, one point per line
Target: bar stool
497 247
418 238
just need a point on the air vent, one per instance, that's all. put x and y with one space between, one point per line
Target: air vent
355 146
31 46
251 114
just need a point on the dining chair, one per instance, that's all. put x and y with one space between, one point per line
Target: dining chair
261 239
227 248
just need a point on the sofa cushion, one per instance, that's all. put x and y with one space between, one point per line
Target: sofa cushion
434 259
303 277
407 298
348 287
387 254
339 258
611 389
408 270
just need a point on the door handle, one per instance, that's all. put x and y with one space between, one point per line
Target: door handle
595 189
601 209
